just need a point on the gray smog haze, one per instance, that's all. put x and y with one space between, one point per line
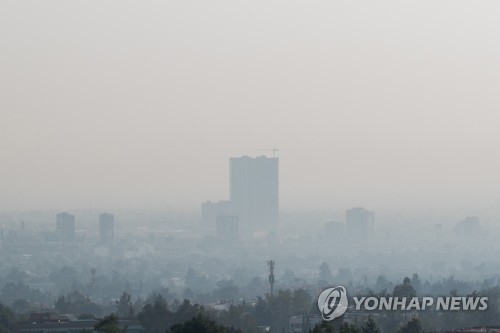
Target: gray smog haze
391 104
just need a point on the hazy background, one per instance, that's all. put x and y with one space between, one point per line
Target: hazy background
386 104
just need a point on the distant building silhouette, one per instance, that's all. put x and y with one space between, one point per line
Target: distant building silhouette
254 191
209 212
227 226
468 228
359 224
65 227
106 228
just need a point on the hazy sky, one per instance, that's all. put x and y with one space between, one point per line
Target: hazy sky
140 104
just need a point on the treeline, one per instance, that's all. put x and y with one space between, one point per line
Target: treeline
432 320
201 323
162 309
272 310
28 292
157 315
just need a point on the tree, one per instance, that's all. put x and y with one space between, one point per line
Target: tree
382 282
323 327
6 318
124 306
301 301
13 291
21 305
198 324
155 317
325 274
262 312
188 294
186 311
413 326
416 283
108 324
346 328
280 309
370 326
61 305
492 313
77 304
404 290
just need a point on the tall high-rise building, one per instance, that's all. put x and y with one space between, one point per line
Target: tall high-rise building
65 227
254 192
106 228
359 223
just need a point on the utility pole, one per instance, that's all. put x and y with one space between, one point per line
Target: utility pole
270 263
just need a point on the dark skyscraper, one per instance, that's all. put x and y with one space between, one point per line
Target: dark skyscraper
254 192
106 228
65 227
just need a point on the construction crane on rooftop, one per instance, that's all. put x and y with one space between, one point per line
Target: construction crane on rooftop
274 150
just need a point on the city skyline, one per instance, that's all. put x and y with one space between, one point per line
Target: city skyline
416 207
257 166
143 112
253 196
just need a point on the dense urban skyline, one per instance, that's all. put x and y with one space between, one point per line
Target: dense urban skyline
388 105
264 166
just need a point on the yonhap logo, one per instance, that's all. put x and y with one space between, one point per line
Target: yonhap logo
332 303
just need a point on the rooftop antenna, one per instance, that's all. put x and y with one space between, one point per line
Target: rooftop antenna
274 150
270 263
93 273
